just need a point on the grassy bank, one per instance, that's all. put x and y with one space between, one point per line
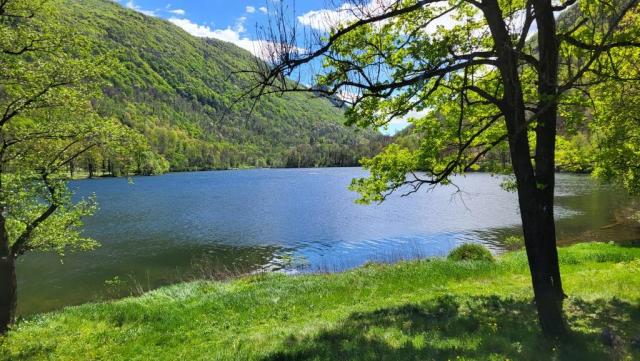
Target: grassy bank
422 310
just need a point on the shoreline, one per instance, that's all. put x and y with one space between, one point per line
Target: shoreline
106 176
280 317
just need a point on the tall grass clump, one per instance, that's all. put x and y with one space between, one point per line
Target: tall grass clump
471 252
513 243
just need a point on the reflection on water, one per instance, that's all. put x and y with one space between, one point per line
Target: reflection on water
163 229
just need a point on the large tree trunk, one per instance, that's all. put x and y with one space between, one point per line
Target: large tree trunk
535 185
8 284
535 198
541 249
538 224
539 233
8 294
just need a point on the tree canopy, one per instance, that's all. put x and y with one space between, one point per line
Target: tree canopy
49 78
481 74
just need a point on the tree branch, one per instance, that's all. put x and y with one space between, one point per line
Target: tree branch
21 244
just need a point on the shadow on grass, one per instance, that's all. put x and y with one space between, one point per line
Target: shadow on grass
634 243
473 328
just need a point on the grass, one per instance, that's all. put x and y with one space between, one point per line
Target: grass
471 252
422 310
513 243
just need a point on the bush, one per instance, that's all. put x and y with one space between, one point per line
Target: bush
513 243
471 252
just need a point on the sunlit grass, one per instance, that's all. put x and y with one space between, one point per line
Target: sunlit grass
417 310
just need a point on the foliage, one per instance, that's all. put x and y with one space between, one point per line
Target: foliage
616 122
471 252
394 163
513 243
180 92
482 81
61 231
575 153
458 118
426 310
49 78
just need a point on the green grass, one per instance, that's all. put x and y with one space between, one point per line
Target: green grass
425 310
471 252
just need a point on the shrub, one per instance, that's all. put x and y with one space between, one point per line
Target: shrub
513 243
471 252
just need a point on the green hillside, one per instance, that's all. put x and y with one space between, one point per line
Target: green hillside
177 90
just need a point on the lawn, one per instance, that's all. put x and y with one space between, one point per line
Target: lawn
420 310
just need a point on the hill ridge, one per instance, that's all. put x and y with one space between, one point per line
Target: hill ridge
174 88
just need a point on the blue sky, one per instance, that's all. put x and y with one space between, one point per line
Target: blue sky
217 14
235 21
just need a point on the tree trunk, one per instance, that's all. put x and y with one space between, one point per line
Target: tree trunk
535 185
542 251
8 294
8 284
72 168
539 233
538 224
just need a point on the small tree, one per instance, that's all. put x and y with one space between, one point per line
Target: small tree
48 77
482 73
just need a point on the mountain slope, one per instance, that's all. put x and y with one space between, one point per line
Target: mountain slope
177 89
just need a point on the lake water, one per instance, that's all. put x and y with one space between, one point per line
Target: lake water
158 230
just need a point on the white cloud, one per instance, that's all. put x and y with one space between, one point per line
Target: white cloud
194 29
133 6
235 35
347 95
326 19
178 11
250 9
398 124
264 10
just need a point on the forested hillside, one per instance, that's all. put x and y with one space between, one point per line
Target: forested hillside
177 90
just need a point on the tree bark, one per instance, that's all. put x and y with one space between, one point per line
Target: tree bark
8 294
8 284
542 252
535 185
539 233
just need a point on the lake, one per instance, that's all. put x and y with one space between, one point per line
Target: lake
159 230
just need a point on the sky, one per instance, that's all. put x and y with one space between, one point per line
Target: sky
236 21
